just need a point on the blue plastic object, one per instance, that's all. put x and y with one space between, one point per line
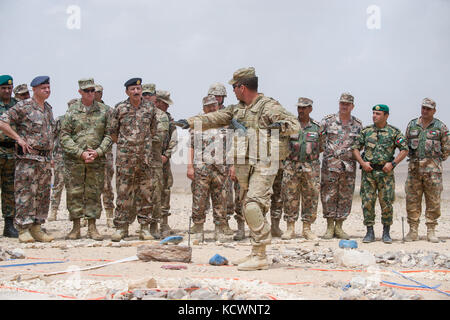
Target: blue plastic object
172 239
352 244
218 260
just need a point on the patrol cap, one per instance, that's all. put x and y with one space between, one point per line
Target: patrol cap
98 88
164 96
86 83
149 88
217 89
429 103
304 102
20 89
241 74
347 98
40 80
133 82
6 80
381 107
208 100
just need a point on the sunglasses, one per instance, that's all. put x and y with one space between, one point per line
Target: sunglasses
147 94
88 90
236 85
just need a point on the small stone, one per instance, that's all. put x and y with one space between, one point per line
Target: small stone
204 294
176 294
16 253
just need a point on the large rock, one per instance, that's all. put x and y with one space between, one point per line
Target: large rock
354 258
164 253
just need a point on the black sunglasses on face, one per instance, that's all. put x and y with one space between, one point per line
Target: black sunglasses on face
88 90
147 94
236 85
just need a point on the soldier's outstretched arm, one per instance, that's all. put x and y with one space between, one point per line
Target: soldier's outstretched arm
220 118
281 119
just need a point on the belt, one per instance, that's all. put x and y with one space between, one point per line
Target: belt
7 144
377 167
42 153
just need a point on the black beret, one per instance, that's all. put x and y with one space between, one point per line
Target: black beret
133 82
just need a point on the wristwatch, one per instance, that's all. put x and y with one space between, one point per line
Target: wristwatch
394 164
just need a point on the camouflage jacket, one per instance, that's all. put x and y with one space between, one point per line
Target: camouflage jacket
162 131
85 127
429 146
6 143
134 128
34 125
57 149
380 143
305 145
337 141
170 142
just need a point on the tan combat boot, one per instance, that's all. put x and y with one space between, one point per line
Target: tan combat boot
83 223
275 228
413 234
40 235
240 233
219 234
197 228
92 231
257 260
226 229
329 234
53 213
109 217
25 235
431 236
290 231
307 233
339 233
154 230
76 231
144 233
165 228
121 232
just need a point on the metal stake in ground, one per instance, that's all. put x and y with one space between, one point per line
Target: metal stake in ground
403 229
189 232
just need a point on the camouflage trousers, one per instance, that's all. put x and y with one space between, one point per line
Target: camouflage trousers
108 194
256 183
167 183
237 202
156 174
383 184
7 167
32 191
84 186
298 182
420 184
336 193
276 201
134 195
58 184
209 182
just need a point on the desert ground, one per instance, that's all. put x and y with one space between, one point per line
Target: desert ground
299 269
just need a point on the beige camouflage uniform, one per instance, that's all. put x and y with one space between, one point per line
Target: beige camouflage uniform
58 170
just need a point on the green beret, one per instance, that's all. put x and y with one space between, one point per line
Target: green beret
381 107
6 80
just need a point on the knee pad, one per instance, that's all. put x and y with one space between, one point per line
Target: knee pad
254 217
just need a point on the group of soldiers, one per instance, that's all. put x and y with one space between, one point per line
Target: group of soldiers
256 149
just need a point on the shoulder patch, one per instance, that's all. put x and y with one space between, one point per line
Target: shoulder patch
328 116
315 122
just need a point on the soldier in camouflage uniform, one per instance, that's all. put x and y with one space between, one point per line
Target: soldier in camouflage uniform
85 140
7 162
58 172
379 142
21 92
267 124
133 125
108 194
338 132
429 145
34 123
169 145
301 175
276 204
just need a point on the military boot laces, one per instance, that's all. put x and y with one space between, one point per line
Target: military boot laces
413 234
121 233
93 232
307 233
370 235
329 234
40 235
9 231
25 236
257 260
240 233
290 231
275 228
246 258
386 236
53 214
144 233
75 233
431 236
339 232
219 234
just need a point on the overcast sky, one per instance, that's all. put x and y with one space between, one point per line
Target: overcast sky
316 49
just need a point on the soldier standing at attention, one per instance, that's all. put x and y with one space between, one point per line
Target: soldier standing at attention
379 142
429 145
58 172
34 134
7 162
338 132
256 165
21 92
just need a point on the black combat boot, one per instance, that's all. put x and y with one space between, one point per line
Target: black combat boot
9 231
370 235
386 237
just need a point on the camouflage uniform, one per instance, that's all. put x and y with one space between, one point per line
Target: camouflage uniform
379 147
338 166
108 193
276 201
168 147
134 128
301 176
7 166
82 128
33 171
428 147
58 170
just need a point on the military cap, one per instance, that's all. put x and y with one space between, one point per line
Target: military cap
149 88
217 89
381 107
86 83
304 102
347 97
164 96
40 80
5 80
241 74
20 89
133 82
208 100
98 88
429 103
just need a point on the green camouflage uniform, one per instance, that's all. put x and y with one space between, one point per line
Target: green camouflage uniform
379 148
108 193
58 169
168 148
82 128
428 147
